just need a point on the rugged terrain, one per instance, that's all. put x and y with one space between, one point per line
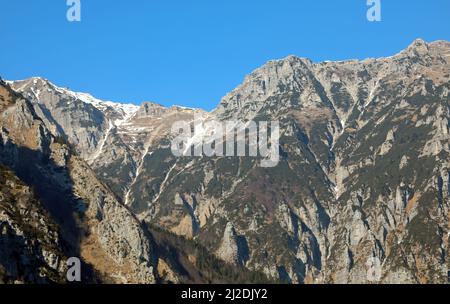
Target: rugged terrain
93 223
361 193
53 207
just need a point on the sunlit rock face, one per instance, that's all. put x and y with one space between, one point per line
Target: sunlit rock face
361 192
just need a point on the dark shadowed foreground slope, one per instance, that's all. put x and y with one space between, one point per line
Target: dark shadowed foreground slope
361 192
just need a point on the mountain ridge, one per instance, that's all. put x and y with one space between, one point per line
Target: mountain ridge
415 43
361 192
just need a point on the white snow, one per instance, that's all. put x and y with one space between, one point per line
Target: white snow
336 191
163 184
136 176
127 110
370 98
184 108
36 93
102 143
343 124
124 109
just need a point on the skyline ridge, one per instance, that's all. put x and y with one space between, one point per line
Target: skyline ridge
181 105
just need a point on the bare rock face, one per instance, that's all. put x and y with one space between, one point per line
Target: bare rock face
228 250
231 250
64 114
387 145
92 221
361 192
118 232
29 240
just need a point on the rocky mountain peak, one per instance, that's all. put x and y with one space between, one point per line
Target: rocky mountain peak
419 46
360 194
150 109
78 207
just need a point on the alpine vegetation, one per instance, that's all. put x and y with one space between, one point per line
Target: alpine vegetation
307 172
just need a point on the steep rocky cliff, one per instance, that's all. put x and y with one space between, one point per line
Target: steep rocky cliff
58 209
361 192
92 222
31 251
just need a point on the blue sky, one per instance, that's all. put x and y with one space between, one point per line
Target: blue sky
192 52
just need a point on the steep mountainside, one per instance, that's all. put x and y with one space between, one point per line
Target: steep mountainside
52 207
113 138
90 220
362 189
31 250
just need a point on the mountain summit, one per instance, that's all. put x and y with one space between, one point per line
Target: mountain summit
361 193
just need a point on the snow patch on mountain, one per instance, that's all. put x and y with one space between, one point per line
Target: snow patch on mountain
127 110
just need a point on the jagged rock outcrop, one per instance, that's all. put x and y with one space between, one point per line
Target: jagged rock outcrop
31 248
361 192
233 248
93 223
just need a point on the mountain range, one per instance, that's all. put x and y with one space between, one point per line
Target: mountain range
361 193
